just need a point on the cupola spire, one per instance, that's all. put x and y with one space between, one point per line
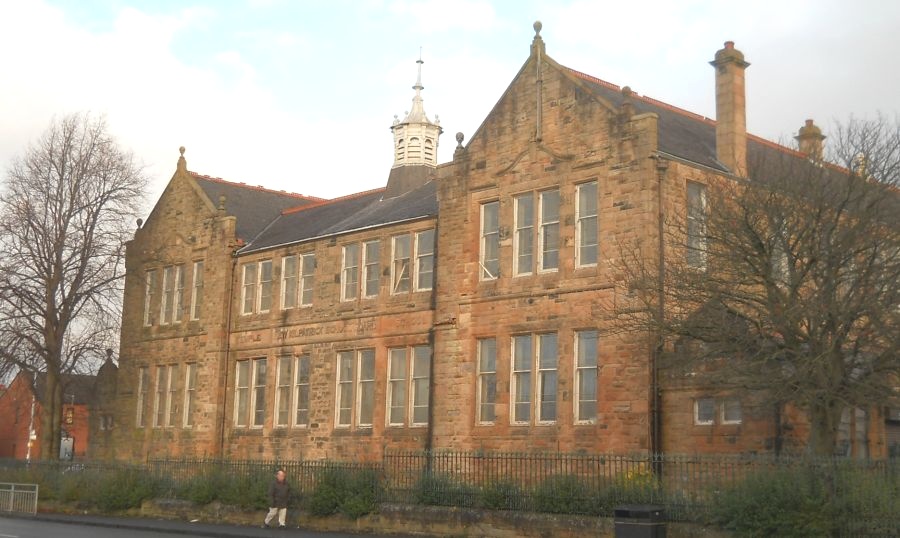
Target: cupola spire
416 137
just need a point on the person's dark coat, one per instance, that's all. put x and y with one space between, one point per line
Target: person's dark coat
279 494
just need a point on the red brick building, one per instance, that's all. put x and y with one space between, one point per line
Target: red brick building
459 307
20 416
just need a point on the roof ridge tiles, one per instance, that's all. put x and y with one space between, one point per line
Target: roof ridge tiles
644 98
257 187
322 202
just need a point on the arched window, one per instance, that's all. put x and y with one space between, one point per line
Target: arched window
401 149
429 150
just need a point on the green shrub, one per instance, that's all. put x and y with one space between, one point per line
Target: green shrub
788 503
121 489
202 488
565 494
503 495
441 490
352 493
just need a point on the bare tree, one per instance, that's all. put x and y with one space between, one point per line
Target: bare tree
65 211
786 284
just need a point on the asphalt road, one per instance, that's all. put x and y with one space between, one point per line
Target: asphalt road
53 526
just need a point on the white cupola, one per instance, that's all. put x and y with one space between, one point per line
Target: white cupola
416 137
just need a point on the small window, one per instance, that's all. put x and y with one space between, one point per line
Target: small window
586 230
350 272
197 291
731 411
704 411
301 391
487 380
549 231
586 376
696 226
490 241
372 261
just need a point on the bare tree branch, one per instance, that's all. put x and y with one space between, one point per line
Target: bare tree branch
65 213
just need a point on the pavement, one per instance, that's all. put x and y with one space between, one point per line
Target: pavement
178 527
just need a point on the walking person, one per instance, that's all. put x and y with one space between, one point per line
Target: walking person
279 494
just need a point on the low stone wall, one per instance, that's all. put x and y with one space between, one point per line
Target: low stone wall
424 521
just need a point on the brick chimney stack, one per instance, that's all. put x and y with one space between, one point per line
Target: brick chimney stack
731 109
809 139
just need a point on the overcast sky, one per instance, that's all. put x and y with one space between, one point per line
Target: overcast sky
300 95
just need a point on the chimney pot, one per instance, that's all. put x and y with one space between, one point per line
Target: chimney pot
809 139
731 112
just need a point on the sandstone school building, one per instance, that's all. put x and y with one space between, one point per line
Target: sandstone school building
460 306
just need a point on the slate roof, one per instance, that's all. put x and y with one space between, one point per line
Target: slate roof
347 214
254 207
79 386
685 134
268 219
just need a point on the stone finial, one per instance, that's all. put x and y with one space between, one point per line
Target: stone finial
460 149
221 207
537 44
182 163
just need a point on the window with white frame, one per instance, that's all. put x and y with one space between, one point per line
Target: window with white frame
344 397
241 392
696 225
297 280
350 272
421 380
283 383
489 254
173 288
523 244
704 411
397 382
355 388
301 391
487 380
586 230
190 391
549 231
424 260
586 376
172 396
197 290
401 270
258 398
365 396
289 277
534 372
372 268
256 291
408 385
250 392
162 402
545 234
142 391
779 253
307 278
150 291
731 411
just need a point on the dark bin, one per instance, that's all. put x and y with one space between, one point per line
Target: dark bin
640 521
